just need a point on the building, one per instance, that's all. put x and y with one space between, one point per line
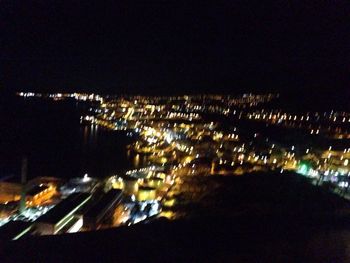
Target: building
146 193
35 195
131 185
102 208
10 192
8 209
14 230
39 194
63 216
84 184
155 182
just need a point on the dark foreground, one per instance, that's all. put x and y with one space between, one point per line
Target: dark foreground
254 218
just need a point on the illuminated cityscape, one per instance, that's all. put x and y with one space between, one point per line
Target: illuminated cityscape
174 131
176 138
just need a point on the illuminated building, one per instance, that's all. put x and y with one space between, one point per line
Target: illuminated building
8 209
131 185
39 194
155 182
62 216
84 184
36 195
146 193
9 192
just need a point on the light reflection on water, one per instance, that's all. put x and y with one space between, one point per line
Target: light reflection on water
136 160
90 135
104 152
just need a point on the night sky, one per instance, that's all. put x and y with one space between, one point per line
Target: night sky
163 47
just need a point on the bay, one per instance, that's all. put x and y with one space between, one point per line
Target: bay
50 135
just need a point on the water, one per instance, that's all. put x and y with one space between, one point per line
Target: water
50 134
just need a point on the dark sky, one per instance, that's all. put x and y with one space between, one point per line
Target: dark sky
174 46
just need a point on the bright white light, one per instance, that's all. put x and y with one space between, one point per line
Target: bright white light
76 227
86 178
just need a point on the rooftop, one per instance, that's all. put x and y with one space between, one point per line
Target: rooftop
65 207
